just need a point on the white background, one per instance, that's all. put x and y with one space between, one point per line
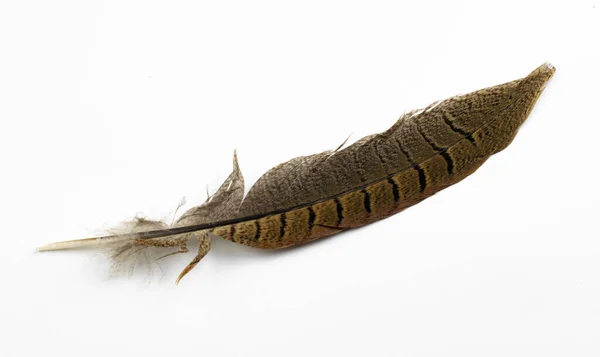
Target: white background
112 108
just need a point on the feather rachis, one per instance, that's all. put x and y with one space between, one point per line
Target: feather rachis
311 197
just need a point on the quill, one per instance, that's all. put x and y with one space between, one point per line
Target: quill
316 196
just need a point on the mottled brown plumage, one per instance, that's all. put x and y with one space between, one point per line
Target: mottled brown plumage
315 196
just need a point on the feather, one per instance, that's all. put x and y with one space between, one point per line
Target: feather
316 196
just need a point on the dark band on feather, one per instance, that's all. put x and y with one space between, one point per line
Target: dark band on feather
257 226
395 190
443 153
232 232
408 157
449 161
311 218
422 178
283 222
471 139
448 121
367 201
429 141
340 211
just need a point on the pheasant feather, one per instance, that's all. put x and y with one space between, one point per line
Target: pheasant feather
316 196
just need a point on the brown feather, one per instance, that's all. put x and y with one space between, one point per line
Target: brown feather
315 196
